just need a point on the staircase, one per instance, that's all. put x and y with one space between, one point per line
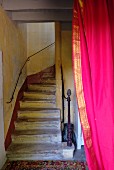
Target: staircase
37 134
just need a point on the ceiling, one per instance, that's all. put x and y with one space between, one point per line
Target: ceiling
38 10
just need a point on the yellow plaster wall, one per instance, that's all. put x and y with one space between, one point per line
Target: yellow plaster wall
66 55
40 35
13 47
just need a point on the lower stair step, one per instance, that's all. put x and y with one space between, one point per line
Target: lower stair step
42 88
35 152
35 95
28 124
32 103
37 136
48 75
50 81
39 113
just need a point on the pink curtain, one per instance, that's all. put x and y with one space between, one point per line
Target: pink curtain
94 78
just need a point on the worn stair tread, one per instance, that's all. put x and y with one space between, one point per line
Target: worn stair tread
42 111
36 132
34 148
48 76
42 85
25 99
39 109
19 120
31 103
42 89
47 81
28 124
35 157
38 93
37 104
29 91
50 92
23 124
38 114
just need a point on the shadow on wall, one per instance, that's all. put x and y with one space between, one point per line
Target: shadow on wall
40 35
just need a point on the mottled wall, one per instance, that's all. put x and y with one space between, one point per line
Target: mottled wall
2 149
66 55
13 47
40 35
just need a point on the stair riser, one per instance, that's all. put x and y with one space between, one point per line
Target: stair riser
42 88
39 96
37 139
41 125
52 81
34 152
48 75
48 156
38 115
36 105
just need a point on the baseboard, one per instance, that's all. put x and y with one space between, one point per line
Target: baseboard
14 115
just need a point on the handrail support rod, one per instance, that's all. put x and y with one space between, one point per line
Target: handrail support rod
69 130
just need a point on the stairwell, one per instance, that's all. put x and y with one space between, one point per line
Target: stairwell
37 134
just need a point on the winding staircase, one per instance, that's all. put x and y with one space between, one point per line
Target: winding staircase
37 134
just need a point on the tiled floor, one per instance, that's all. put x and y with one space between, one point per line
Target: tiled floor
79 155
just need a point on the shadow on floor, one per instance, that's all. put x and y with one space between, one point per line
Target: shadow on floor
79 155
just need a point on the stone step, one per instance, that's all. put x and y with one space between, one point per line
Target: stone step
39 87
37 136
37 95
39 113
35 152
43 85
35 103
42 92
29 124
48 75
26 99
50 81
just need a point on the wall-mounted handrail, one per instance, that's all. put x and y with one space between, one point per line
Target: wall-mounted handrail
28 58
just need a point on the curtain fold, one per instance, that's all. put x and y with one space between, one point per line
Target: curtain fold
93 66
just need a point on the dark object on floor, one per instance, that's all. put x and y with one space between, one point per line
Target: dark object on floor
64 134
46 165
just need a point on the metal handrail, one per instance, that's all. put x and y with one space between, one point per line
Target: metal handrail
69 141
69 130
28 58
